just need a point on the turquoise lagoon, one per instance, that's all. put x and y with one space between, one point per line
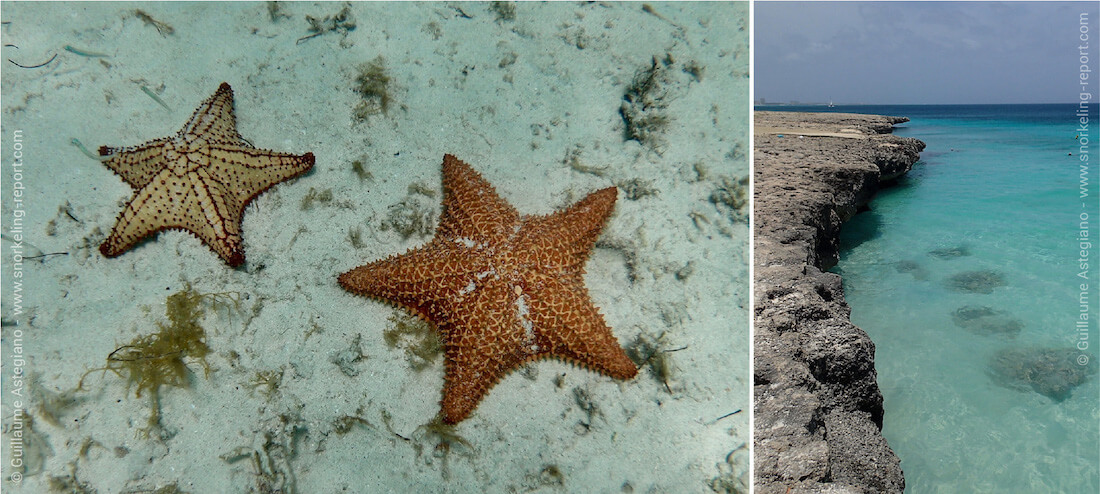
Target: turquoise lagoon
962 274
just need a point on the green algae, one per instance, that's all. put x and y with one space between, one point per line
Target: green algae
161 359
372 84
418 338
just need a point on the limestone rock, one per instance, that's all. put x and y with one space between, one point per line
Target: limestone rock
817 405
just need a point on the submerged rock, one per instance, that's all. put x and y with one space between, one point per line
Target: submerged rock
950 252
1051 372
981 281
911 267
984 320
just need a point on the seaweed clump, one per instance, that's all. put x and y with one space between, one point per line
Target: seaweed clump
372 84
361 171
447 441
342 22
653 354
409 217
159 359
419 339
323 197
69 484
52 405
504 11
645 103
266 382
732 196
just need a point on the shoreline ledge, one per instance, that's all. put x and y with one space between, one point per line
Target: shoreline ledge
817 406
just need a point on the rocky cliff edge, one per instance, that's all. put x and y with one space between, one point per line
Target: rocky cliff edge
817 406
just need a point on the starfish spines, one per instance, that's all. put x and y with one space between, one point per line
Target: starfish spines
501 289
214 118
251 172
573 329
472 208
563 240
412 274
137 165
193 182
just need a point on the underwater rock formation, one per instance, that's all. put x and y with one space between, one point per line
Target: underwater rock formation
984 320
981 281
1051 372
911 267
817 406
950 252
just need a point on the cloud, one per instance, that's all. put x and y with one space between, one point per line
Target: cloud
916 52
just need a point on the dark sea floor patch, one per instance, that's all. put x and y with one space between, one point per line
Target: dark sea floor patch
1051 372
911 267
950 252
983 320
981 281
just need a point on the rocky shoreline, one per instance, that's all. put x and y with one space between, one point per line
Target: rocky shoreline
817 406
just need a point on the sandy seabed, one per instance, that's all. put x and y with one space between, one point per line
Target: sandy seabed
530 95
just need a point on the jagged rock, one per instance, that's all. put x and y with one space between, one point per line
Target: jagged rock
817 406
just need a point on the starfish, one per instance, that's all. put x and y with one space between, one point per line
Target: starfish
199 180
502 289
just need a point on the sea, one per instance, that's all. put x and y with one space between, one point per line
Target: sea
976 276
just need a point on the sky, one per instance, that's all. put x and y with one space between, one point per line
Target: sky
922 52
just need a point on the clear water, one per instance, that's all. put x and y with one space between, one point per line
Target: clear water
996 183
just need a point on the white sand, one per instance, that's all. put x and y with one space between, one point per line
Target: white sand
454 91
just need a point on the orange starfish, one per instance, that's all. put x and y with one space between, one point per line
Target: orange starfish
199 180
502 289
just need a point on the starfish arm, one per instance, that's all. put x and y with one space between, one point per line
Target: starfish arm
214 119
221 213
423 280
570 328
137 165
248 172
471 207
564 240
465 385
484 342
176 206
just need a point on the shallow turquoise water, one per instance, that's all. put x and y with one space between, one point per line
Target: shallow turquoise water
996 192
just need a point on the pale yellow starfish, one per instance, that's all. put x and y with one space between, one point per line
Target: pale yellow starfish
199 180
